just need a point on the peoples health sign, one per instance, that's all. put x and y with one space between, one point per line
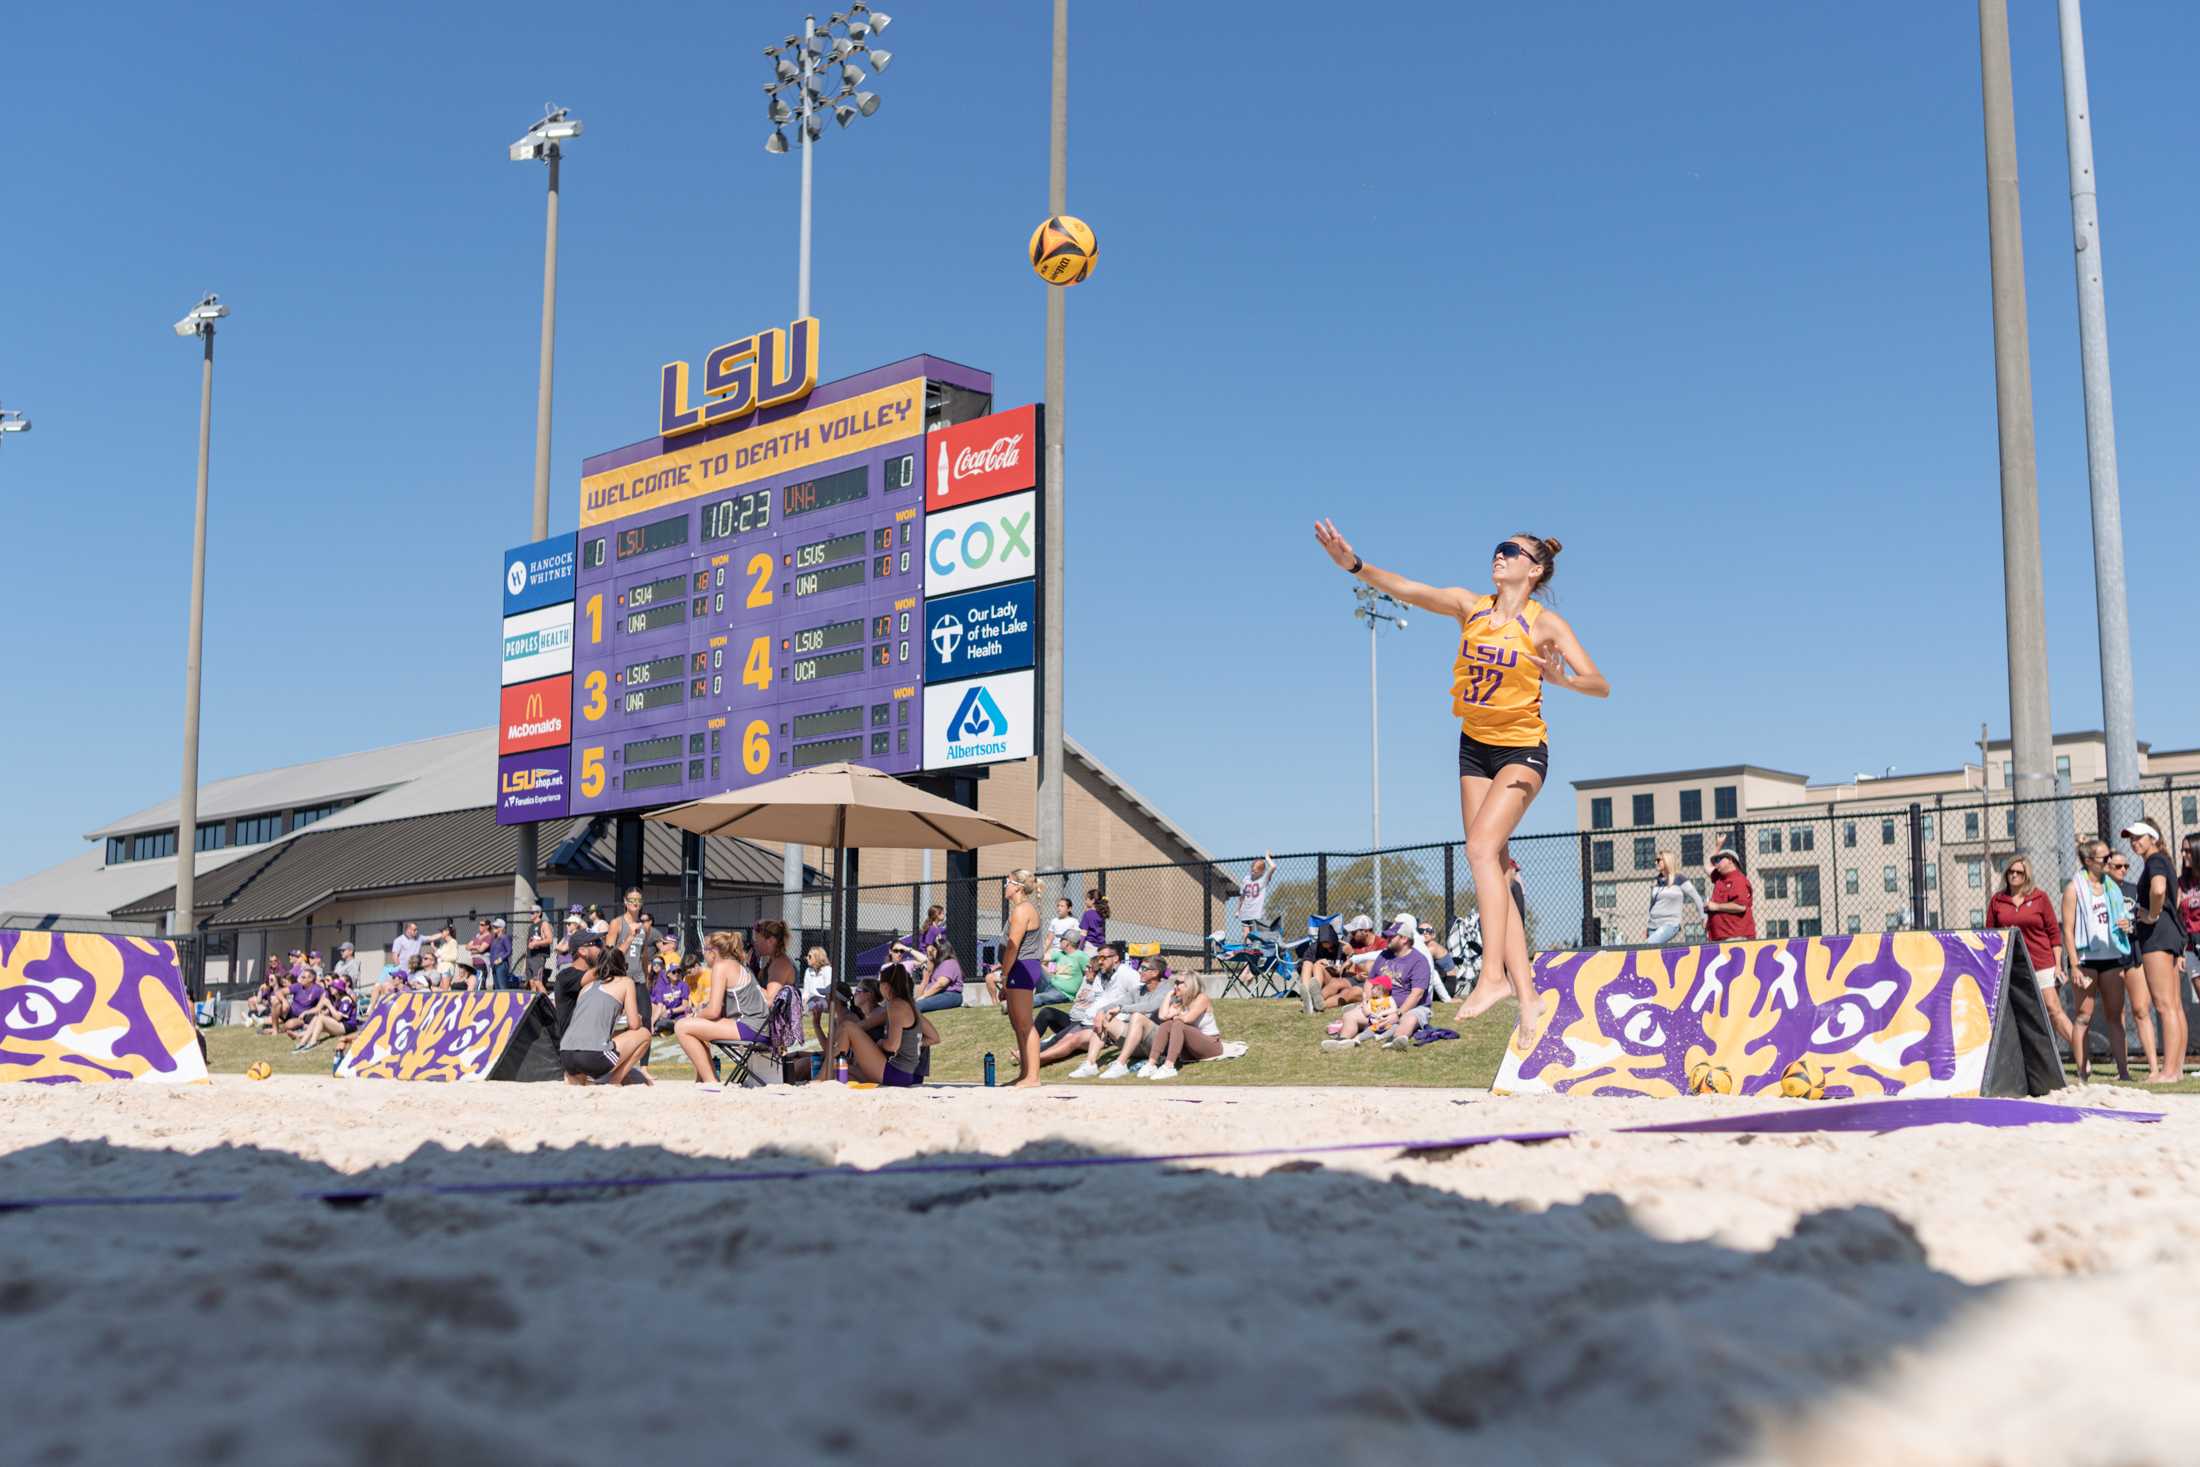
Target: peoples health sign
980 632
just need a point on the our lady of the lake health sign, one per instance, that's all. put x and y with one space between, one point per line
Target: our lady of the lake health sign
765 585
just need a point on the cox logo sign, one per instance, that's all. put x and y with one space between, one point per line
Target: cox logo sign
981 544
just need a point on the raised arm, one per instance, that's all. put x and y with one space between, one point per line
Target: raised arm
1448 601
1565 664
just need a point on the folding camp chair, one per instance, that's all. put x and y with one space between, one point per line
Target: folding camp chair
1263 964
750 1063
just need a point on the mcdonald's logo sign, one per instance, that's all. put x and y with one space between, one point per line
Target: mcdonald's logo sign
536 715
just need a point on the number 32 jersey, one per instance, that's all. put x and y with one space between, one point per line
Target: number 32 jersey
1496 692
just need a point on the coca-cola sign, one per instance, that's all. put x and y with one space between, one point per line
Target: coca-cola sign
983 458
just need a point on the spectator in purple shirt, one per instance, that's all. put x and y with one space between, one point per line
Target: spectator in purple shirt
935 926
500 955
1095 919
1409 975
305 996
940 978
334 1016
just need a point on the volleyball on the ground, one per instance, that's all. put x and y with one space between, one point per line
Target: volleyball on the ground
1063 250
258 1070
1804 1080
1710 1079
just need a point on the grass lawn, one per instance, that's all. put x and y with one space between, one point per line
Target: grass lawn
1284 1051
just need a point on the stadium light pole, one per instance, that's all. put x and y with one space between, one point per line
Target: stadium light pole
1377 609
1050 852
545 141
198 322
2031 734
2111 604
797 62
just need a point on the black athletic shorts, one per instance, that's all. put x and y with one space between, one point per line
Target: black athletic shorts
594 1063
1478 760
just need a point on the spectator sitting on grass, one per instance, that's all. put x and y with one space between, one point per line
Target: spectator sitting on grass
1109 983
1187 1030
1125 1025
303 999
940 984
590 1053
336 1015
897 1054
1065 970
1407 973
668 987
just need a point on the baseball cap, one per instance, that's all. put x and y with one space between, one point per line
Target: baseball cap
2142 827
1360 923
1398 928
496 922
1728 852
345 947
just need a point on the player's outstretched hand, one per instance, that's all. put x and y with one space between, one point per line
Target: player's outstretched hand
1333 541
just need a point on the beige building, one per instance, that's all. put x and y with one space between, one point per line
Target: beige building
1854 855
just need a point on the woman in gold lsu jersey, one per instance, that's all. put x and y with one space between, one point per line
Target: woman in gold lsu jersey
1510 647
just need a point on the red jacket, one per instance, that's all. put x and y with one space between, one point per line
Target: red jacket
2034 916
1732 926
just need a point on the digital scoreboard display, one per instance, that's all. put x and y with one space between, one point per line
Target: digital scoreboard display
750 603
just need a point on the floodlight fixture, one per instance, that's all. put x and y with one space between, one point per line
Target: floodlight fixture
541 141
780 111
785 70
851 76
815 126
879 58
201 317
867 103
776 143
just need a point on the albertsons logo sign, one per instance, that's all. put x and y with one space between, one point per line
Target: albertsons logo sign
983 721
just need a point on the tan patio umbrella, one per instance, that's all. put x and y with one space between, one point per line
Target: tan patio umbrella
844 807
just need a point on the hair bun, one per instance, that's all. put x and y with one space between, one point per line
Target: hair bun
1552 547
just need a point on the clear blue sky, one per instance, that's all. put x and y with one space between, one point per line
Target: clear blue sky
1700 290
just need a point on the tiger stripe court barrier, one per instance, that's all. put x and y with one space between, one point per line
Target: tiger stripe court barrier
454 1036
1912 1014
89 1006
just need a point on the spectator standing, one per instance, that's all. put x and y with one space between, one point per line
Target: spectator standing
500 955
2025 909
1732 910
2159 939
1063 923
625 928
542 942
817 991
2097 932
406 946
942 986
1672 897
1253 894
935 926
347 965
477 951
1095 918
773 966
2188 902
450 953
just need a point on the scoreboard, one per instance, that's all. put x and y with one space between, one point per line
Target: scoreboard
749 599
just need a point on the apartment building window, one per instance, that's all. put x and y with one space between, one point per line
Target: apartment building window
1600 813
1886 831
1887 874
1600 855
1856 923
1974 873
1894 920
213 837
2190 809
1848 834
1970 825
1808 927
2009 821
1607 896
1768 840
1802 838
1776 927
255 830
1646 810
1848 883
1646 853
1932 917
1692 851
1692 806
1724 804
1776 885
1978 917
1932 876
1925 825
1806 887
118 850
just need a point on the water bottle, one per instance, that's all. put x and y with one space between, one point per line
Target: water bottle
840 1069
989 1069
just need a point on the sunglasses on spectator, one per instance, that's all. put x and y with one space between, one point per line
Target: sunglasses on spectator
1507 549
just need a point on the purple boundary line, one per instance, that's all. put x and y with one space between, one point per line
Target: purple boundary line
1907 1113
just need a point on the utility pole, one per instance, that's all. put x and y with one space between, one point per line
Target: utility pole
2031 734
2109 598
1048 825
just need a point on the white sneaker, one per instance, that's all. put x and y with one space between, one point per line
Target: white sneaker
1333 1045
1163 1072
1115 1071
1084 1071
1144 1070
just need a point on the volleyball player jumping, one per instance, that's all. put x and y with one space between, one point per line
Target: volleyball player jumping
1510 645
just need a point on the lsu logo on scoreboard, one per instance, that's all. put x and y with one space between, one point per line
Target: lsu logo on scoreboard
520 781
740 377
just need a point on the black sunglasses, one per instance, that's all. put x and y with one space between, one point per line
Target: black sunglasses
1507 549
